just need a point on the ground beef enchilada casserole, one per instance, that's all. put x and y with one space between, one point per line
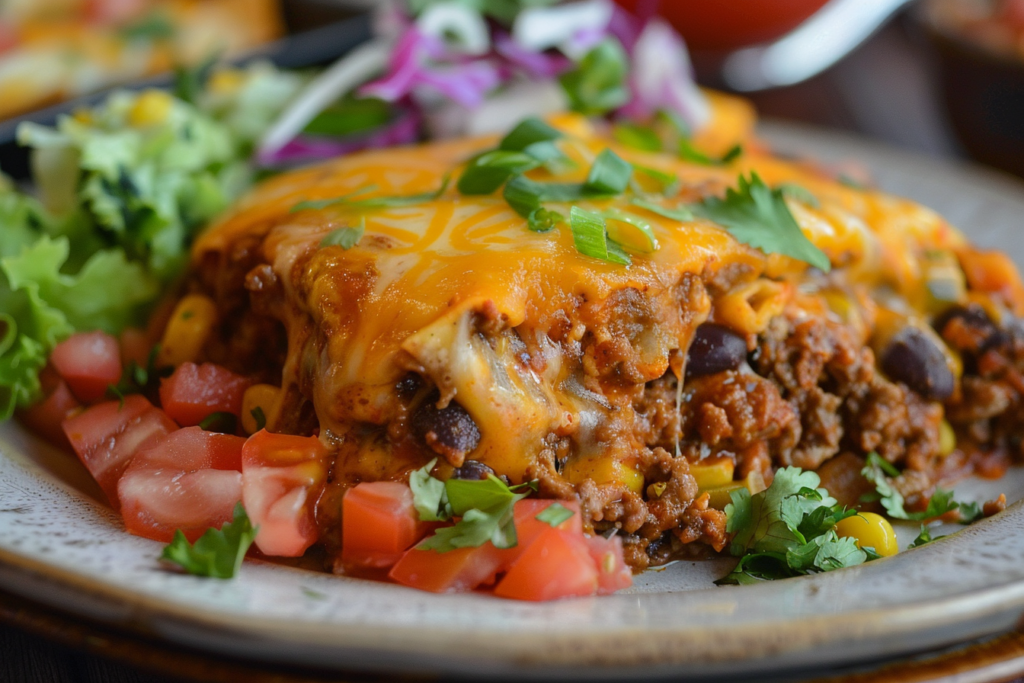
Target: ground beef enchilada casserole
409 322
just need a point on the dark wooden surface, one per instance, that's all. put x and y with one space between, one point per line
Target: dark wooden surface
884 90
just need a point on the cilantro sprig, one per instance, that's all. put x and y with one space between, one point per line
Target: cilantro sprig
484 508
788 530
879 472
757 215
217 553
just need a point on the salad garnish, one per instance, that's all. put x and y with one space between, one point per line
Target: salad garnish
788 530
878 471
217 553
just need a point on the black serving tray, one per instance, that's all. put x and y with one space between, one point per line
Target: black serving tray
304 47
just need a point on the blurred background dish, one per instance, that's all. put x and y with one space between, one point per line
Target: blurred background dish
980 48
51 50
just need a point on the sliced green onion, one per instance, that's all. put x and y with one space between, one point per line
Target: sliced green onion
637 137
529 132
680 213
591 237
390 202
259 416
609 175
669 181
525 195
799 193
346 237
688 152
543 220
630 231
598 84
490 170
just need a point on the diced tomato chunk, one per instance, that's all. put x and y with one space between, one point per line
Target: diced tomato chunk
89 362
188 480
194 392
46 417
106 436
612 571
378 524
528 527
135 346
555 565
455 571
282 478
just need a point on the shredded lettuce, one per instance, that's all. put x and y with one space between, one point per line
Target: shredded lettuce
121 192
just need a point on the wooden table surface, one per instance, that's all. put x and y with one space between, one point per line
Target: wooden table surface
884 90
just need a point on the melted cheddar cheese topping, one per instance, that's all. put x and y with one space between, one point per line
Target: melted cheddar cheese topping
505 321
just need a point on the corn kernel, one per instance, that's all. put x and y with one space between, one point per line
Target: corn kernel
604 471
870 531
713 472
151 108
655 490
947 438
262 396
226 81
187 330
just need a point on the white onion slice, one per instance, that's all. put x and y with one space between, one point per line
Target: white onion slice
541 28
461 29
359 66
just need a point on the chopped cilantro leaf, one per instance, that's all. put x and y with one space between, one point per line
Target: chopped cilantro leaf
555 514
787 530
428 495
923 538
757 215
346 237
878 471
486 511
217 554
221 422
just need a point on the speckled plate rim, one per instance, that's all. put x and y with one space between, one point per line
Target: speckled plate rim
962 587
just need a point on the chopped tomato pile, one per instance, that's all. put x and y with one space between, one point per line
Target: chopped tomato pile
174 451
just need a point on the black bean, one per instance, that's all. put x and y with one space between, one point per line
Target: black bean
914 358
449 431
974 317
715 348
407 387
472 469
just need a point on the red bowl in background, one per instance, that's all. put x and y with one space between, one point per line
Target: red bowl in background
728 24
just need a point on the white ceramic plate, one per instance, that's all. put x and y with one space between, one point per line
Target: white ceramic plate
60 547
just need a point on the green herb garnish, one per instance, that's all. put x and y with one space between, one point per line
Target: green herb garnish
610 174
757 215
260 418
429 495
923 538
799 193
598 83
679 213
637 137
346 237
388 202
878 471
217 554
555 514
590 234
221 422
788 530
485 508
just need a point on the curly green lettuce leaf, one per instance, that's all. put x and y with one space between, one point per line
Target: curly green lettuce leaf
41 305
